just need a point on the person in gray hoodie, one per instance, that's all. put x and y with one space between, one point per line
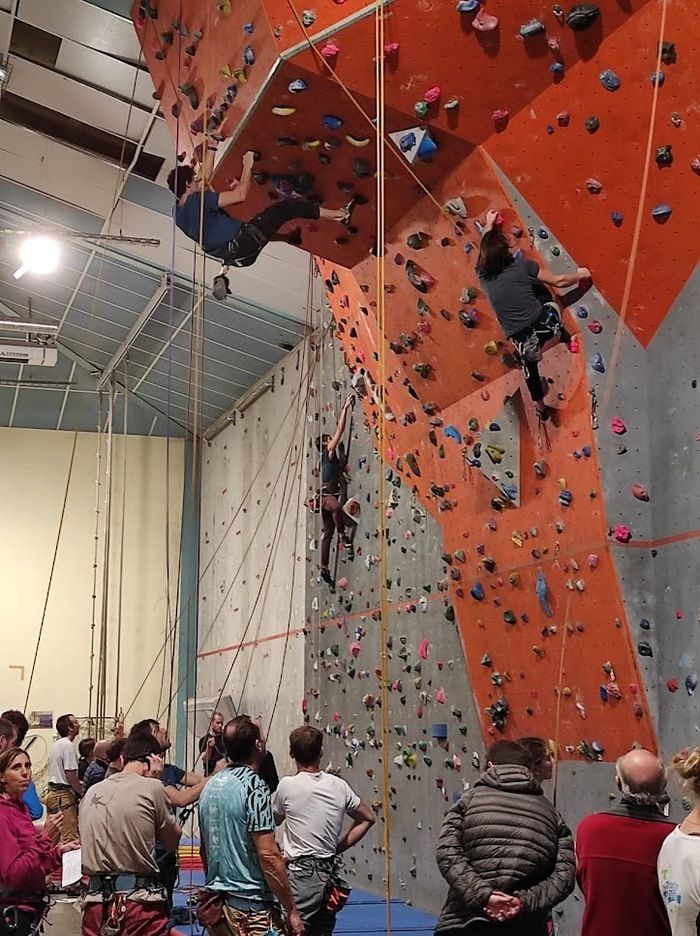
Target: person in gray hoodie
505 852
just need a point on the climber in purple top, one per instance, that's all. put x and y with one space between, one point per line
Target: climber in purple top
235 242
517 290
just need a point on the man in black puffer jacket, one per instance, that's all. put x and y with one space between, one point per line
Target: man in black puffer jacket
506 853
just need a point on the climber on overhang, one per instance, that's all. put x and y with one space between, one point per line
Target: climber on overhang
236 243
333 463
517 290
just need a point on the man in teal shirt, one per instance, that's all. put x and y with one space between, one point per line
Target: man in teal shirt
242 862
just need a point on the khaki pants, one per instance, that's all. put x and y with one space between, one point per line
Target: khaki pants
257 923
64 801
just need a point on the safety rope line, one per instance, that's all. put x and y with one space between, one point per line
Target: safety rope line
101 700
560 688
634 250
52 569
383 531
216 551
95 555
120 598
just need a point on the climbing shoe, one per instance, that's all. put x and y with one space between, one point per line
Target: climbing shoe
328 579
349 548
221 288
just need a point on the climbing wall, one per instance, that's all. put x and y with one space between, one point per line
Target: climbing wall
561 556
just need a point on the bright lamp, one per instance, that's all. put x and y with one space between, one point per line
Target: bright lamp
38 255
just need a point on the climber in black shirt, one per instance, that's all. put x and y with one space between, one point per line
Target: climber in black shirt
333 465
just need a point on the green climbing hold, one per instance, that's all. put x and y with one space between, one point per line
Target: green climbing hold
417 241
428 761
450 613
509 617
335 650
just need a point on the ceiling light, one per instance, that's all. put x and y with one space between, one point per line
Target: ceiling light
38 255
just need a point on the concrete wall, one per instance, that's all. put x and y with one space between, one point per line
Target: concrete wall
252 556
33 473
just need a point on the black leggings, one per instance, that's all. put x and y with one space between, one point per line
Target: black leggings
544 331
254 234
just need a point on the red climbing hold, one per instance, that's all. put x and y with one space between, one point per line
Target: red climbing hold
424 649
622 533
672 685
618 426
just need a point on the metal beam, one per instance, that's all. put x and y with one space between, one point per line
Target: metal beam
135 331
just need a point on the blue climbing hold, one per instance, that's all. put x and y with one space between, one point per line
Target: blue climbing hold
586 451
661 213
468 6
565 498
249 28
543 593
533 27
542 234
557 68
582 312
468 247
598 364
510 491
330 122
550 129
477 591
657 79
427 148
691 683
249 55
452 432
617 218
297 86
597 747
494 427
407 142
645 624
525 618
609 80
603 692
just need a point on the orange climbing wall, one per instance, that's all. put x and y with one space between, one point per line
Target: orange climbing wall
552 668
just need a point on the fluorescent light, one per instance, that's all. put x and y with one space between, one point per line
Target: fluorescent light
39 255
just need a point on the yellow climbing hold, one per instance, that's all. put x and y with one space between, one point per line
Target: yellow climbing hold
284 111
241 76
491 348
226 72
514 579
359 142
538 651
495 453
225 7
562 483
311 144
517 541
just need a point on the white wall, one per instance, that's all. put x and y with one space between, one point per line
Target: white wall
33 472
268 438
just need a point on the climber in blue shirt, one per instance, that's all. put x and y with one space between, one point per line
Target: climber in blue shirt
235 242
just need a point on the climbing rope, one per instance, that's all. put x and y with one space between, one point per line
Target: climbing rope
120 600
52 569
634 249
95 564
383 531
560 694
106 554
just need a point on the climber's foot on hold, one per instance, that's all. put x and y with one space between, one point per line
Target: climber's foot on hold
328 579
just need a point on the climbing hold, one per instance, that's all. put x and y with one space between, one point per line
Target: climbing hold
284 111
410 459
592 124
331 122
556 68
582 16
308 18
543 234
668 53
423 370
421 109
657 79
439 732
361 168
330 50
357 142
500 115
297 86
440 696
640 492
622 533
594 186
452 432
432 95
509 617
533 27
355 646
595 326
661 213
249 56
609 80
417 241
691 683
543 593
617 218
484 22
618 425
593 561
597 363
664 156
563 118
491 348
565 498
417 279
468 6
424 649
540 469
477 591
672 685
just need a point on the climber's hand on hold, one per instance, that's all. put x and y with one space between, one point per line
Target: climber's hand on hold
248 159
583 273
492 219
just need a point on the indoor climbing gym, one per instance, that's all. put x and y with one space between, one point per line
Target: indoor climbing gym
349 500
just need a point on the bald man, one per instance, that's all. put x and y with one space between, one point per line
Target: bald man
617 851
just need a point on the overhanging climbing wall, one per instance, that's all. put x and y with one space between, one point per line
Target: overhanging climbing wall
568 630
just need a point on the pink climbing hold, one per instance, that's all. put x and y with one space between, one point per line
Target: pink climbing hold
432 95
574 346
440 696
391 48
330 50
622 533
342 582
594 186
355 648
484 22
499 115
595 326
640 492
592 561
424 649
617 425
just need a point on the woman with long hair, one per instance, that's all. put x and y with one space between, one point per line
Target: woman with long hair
518 293
679 858
26 853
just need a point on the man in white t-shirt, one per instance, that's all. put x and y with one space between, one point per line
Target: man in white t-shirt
313 805
64 785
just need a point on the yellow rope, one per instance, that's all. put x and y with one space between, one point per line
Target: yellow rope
381 352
